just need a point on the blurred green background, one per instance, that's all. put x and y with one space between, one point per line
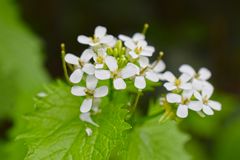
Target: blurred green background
196 32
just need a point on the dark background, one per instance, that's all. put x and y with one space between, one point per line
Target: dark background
197 32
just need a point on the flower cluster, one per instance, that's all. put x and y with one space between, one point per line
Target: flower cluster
109 58
126 59
191 91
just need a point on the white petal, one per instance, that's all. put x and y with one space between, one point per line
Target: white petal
187 94
107 40
195 105
197 84
143 62
88 131
204 74
187 69
182 111
78 91
89 68
207 91
169 86
149 49
102 74
140 82
111 62
86 117
215 105
76 76
119 84
100 31
71 59
174 98
142 44
129 71
99 66
169 76
152 76
86 105
207 110
133 54
101 91
138 37
184 78
91 82
146 53
87 55
83 39
159 67
198 96
124 38
187 86
130 45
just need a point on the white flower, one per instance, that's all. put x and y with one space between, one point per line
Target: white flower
136 37
88 131
86 117
198 79
139 49
146 71
99 58
117 74
100 37
90 92
81 65
184 103
177 83
204 101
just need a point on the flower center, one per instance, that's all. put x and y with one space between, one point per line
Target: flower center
185 100
95 39
178 82
100 59
205 100
138 50
81 63
115 74
89 93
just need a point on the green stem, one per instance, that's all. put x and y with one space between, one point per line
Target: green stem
145 28
64 63
150 117
136 101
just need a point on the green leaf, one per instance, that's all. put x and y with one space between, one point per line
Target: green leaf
227 141
21 75
156 141
21 71
56 132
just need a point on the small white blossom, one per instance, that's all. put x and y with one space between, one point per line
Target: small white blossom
99 58
184 103
150 72
90 92
136 37
100 37
206 104
139 49
199 78
86 117
177 83
88 131
81 65
42 94
117 74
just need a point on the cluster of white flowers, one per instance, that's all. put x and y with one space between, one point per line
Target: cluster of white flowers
109 58
191 91
127 59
